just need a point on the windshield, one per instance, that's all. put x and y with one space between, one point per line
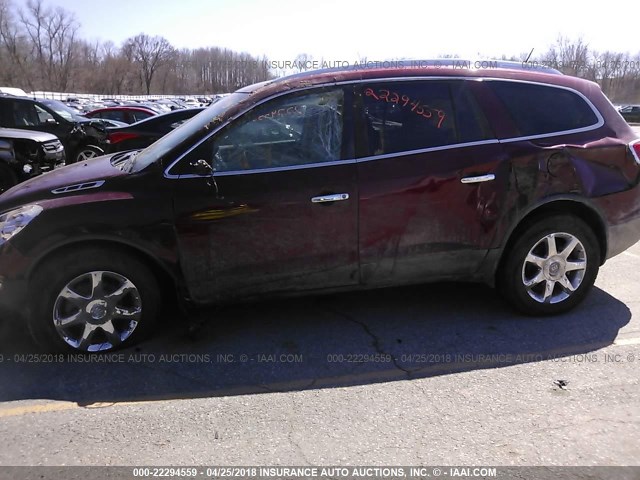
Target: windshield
167 143
61 109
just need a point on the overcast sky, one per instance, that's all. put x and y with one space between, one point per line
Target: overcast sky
344 30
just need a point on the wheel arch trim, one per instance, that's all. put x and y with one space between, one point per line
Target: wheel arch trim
586 210
103 241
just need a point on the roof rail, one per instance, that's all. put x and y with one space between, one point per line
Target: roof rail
443 63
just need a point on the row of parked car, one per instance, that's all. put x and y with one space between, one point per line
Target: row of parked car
159 105
38 135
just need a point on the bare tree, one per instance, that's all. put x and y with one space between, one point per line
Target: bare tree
150 53
570 57
40 50
52 34
14 50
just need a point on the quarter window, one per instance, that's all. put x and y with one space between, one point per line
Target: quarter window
540 109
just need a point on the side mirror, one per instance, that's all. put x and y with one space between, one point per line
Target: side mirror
51 121
202 168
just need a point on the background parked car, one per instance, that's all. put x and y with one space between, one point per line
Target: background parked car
82 137
25 154
168 104
125 113
631 113
144 133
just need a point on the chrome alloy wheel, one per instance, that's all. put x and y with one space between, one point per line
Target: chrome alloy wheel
87 154
97 311
554 268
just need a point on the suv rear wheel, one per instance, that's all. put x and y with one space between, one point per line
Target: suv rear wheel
551 266
93 300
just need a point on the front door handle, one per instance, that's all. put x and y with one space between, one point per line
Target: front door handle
479 179
330 198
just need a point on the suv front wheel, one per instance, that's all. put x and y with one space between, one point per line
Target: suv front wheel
93 300
551 266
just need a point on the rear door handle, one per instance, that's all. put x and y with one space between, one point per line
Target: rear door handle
330 198
479 179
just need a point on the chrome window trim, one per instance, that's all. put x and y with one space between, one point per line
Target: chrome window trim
266 170
595 126
427 150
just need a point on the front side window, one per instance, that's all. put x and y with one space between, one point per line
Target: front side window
288 131
540 109
43 115
403 116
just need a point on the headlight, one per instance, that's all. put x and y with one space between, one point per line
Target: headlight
14 221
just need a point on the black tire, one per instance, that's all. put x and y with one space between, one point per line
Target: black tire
7 178
537 238
87 152
74 270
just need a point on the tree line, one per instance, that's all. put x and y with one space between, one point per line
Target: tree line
41 50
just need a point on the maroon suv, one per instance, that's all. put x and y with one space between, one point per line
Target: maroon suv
326 181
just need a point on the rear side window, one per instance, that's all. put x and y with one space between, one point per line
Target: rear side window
402 116
539 109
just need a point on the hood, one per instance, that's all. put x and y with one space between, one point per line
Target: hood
14 133
91 172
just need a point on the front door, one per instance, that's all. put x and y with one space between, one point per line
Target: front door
280 211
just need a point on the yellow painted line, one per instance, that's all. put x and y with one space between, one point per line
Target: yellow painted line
61 406
39 408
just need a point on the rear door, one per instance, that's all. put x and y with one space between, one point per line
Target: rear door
433 180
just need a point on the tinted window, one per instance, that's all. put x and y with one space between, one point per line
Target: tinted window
540 109
114 115
414 115
288 131
471 123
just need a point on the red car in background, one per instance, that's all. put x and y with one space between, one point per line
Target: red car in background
124 114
